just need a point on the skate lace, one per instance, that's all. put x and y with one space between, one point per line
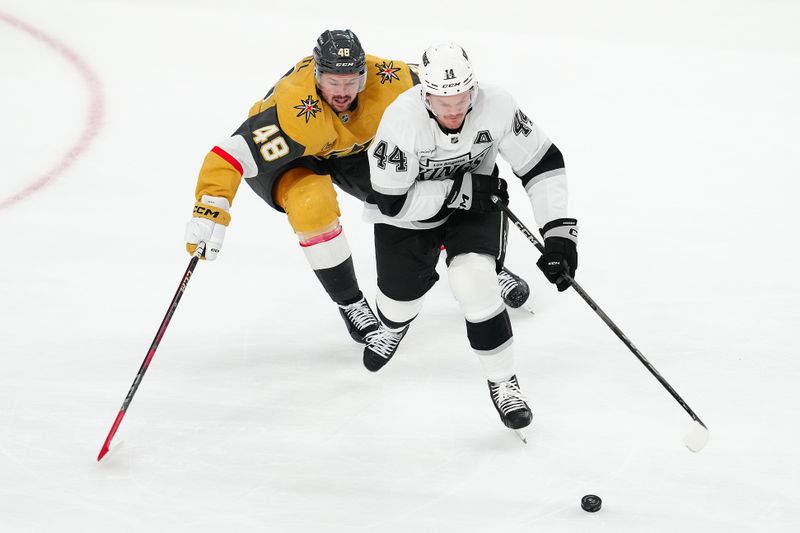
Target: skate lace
384 341
507 283
359 314
508 397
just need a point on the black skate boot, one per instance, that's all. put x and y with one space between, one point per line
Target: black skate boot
513 289
510 403
360 319
381 346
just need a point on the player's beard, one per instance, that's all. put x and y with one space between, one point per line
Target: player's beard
341 103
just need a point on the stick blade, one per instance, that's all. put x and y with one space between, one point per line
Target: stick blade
103 452
110 450
697 437
107 443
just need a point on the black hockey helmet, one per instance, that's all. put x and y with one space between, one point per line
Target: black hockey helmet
339 52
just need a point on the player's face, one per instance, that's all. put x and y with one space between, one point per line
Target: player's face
451 110
339 90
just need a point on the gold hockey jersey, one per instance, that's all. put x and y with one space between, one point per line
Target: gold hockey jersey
293 121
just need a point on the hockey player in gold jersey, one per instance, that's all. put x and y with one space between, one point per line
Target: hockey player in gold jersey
309 132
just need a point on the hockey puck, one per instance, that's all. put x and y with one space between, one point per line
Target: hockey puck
591 503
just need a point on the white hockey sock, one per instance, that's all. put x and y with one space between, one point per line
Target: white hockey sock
498 366
396 311
327 249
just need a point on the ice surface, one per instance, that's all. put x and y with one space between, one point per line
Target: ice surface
678 121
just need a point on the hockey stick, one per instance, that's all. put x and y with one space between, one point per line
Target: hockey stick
697 437
152 351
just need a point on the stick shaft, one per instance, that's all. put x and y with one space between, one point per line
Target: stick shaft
153 347
603 316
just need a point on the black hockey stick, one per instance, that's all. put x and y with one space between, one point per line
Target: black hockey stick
152 351
697 437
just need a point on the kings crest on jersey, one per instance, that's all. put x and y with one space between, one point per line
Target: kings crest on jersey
413 159
293 121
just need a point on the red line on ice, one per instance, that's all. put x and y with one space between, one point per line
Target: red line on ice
93 120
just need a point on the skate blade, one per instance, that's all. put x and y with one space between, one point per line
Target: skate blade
521 435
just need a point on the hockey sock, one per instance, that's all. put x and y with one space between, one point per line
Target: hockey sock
329 255
498 366
340 282
491 334
397 313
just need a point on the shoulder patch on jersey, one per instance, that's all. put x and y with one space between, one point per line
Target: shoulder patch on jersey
522 124
387 71
483 137
308 107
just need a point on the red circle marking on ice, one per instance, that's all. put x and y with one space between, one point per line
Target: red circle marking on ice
93 120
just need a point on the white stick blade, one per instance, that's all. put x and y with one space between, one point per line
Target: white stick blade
114 448
697 438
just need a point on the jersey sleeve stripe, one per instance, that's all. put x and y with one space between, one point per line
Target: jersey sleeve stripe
390 204
229 158
552 163
543 176
535 159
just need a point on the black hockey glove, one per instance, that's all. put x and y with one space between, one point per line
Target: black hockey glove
474 191
560 251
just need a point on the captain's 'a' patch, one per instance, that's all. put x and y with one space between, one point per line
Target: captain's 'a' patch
483 137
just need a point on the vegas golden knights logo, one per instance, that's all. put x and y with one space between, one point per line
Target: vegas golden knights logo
308 107
387 71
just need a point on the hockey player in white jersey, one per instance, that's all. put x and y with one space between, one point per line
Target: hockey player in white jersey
433 172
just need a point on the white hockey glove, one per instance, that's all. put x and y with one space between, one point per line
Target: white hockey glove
207 225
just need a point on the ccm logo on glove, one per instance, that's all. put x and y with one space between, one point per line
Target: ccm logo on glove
204 211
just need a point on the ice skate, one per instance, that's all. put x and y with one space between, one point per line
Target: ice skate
511 404
514 290
360 319
381 346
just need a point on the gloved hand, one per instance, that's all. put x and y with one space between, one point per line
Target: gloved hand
474 191
208 224
560 251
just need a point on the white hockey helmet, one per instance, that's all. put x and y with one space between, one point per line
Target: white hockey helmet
446 70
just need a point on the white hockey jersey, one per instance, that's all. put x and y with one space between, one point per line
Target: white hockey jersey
412 160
